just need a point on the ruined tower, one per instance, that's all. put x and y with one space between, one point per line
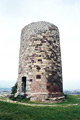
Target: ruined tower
40 70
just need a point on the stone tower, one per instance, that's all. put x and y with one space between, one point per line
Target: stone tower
40 71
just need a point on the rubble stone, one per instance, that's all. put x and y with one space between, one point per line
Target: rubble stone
40 70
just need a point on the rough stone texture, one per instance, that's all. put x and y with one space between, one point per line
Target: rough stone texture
40 71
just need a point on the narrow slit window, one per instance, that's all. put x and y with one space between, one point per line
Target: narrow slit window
40 60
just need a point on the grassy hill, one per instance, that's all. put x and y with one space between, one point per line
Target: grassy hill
67 110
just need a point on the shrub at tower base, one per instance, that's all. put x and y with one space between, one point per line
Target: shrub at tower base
14 89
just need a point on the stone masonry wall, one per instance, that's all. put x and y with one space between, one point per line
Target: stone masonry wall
40 71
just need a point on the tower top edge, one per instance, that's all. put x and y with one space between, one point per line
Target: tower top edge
39 25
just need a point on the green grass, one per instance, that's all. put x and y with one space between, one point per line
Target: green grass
14 111
70 99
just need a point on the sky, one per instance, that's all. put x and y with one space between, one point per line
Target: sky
15 14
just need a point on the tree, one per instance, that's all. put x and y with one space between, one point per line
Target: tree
14 89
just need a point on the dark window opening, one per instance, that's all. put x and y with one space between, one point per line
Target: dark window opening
38 76
30 80
43 41
23 84
39 59
54 41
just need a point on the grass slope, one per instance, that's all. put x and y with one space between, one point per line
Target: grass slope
11 111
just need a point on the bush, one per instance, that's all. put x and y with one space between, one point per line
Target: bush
14 89
19 98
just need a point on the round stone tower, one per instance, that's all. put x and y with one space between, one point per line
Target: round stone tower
40 71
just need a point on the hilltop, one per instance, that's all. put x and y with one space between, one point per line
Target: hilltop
67 110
